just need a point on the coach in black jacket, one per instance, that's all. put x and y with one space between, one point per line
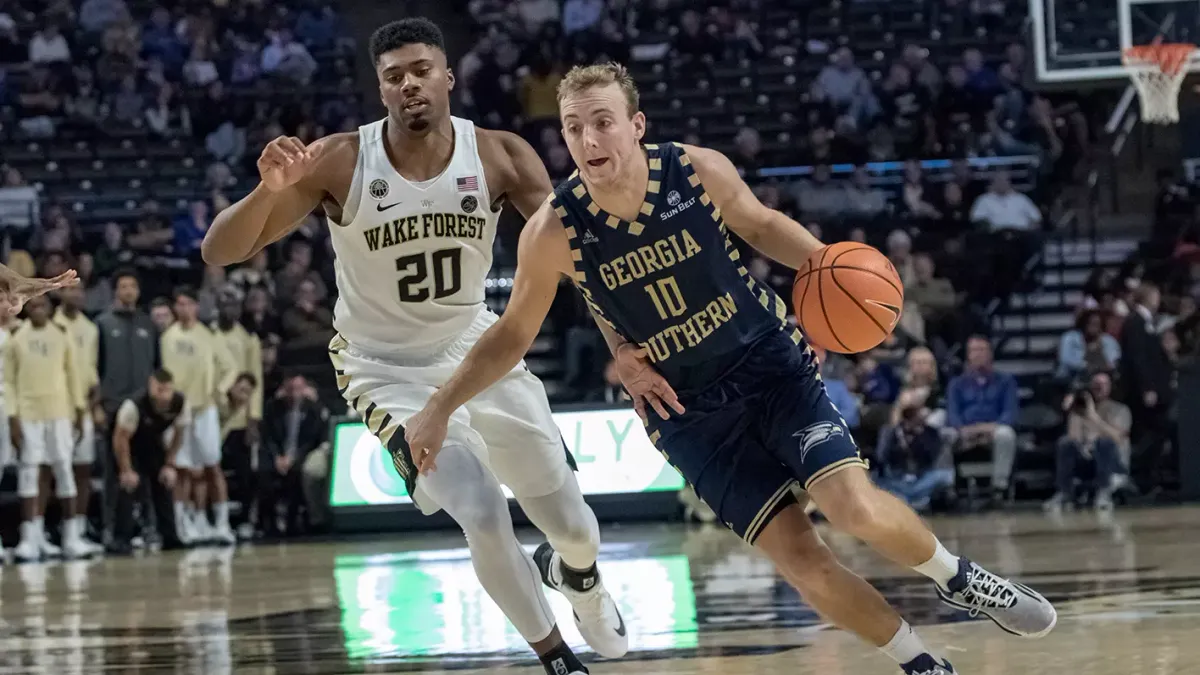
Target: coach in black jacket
293 425
1145 376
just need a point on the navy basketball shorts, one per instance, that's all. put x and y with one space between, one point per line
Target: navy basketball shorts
751 436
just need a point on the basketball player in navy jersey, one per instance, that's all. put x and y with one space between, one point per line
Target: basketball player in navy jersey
642 231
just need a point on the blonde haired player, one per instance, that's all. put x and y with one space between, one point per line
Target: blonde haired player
642 230
46 407
85 341
203 371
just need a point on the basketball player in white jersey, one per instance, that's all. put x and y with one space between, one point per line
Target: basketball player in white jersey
412 202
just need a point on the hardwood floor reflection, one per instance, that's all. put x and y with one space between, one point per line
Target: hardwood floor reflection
695 601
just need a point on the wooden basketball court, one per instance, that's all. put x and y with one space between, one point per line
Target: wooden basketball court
695 600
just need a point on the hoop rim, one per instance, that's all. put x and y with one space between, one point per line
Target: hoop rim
1170 58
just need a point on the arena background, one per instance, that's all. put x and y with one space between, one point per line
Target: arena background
125 125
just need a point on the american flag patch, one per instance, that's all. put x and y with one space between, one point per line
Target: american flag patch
468 184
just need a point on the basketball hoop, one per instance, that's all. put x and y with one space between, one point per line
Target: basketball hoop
1157 70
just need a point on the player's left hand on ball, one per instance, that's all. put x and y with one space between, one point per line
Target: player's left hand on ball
644 383
425 433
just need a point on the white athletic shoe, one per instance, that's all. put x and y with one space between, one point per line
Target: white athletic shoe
1014 607
202 530
48 550
27 551
223 536
73 547
596 615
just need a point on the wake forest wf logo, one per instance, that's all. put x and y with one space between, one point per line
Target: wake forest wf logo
378 189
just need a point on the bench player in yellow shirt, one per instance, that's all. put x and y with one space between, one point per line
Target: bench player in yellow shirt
45 416
240 422
85 341
203 371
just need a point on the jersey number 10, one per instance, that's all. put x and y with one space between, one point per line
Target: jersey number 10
447 274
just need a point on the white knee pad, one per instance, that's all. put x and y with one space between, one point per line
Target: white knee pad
27 481
64 479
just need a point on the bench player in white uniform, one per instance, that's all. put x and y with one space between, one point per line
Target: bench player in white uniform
412 202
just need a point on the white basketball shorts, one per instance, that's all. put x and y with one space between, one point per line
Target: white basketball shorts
85 449
47 442
508 426
201 447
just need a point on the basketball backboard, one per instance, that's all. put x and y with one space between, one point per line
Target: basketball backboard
1082 40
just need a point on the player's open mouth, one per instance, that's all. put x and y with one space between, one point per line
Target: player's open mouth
415 105
597 162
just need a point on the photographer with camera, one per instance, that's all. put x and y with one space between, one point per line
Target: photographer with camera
1097 435
910 451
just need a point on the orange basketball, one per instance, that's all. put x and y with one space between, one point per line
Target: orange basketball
848 297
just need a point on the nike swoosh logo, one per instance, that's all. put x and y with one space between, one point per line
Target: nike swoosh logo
620 621
381 207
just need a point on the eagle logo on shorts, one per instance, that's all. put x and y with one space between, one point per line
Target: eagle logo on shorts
815 434
378 189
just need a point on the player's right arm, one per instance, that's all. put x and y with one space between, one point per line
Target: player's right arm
543 256
294 180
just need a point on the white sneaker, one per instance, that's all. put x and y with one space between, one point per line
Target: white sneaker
48 550
1104 499
183 527
596 615
224 536
75 549
28 550
202 530
1014 607
72 540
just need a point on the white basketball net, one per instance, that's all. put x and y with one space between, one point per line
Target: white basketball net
1157 72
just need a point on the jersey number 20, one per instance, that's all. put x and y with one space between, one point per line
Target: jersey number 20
447 274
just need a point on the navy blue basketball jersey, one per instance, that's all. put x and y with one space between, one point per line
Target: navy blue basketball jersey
670 281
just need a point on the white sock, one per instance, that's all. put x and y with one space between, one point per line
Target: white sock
39 527
81 525
905 645
28 530
942 567
69 530
181 515
221 514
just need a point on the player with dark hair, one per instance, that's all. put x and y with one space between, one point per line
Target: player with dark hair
45 416
643 232
413 201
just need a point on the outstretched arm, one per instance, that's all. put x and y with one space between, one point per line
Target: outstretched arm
542 256
293 182
769 231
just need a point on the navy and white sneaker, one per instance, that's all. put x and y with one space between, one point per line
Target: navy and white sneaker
926 664
1014 607
596 614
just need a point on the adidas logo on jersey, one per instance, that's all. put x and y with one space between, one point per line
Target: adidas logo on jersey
589 238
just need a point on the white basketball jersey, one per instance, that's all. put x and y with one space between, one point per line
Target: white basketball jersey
412 258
